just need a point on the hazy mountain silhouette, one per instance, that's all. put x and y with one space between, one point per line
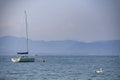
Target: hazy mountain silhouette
12 45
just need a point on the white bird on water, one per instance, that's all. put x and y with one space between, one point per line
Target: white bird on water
100 71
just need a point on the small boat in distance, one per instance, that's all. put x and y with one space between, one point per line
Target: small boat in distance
43 60
24 55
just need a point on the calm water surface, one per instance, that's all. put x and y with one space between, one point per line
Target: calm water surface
61 68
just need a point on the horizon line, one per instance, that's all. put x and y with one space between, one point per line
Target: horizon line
61 39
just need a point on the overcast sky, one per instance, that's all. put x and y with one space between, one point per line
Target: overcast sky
82 20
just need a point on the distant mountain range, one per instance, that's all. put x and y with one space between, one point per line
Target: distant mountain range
11 45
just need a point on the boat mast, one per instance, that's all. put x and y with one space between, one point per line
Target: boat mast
26 29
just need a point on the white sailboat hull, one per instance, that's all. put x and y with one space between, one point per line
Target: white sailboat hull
24 59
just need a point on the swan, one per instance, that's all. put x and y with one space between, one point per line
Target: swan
100 71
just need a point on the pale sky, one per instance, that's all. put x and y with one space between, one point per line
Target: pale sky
82 20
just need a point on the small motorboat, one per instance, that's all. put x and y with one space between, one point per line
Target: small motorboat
43 60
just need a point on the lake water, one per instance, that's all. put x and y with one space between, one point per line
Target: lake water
61 68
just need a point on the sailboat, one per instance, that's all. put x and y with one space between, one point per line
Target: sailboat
24 55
